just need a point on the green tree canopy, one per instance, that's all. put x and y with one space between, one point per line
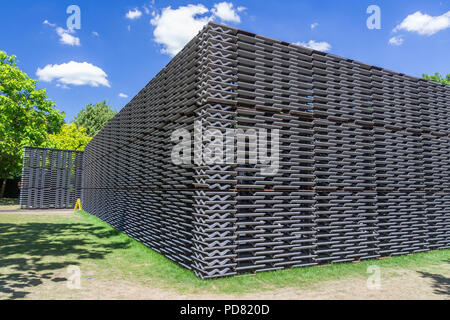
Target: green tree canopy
437 77
26 116
55 122
94 117
69 138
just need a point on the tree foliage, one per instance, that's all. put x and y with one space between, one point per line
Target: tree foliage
70 137
437 77
94 117
26 115
55 123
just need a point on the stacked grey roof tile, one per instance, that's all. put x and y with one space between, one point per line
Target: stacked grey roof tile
363 168
51 178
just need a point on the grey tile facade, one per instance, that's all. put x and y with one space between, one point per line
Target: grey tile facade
363 171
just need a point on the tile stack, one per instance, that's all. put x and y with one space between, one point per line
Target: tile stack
51 178
361 170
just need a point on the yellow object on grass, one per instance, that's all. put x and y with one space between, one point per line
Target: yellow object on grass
78 205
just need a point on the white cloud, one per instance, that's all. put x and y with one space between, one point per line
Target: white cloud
315 45
133 14
396 41
226 12
49 24
95 33
74 73
175 27
314 25
62 86
424 24
123 95
66 37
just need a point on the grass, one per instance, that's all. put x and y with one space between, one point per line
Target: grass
172 275
9 201
35 246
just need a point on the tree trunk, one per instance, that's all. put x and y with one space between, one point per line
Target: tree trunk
2 190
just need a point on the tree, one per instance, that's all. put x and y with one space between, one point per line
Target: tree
69 138
94 117
54 123
437 77
26 115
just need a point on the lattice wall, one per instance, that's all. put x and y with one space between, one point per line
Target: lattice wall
363 160
51 178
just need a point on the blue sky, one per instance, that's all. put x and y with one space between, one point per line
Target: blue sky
122 44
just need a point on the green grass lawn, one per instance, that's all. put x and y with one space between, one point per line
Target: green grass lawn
170 274
35 246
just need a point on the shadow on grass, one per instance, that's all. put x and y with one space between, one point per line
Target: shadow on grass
25 251
441 284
